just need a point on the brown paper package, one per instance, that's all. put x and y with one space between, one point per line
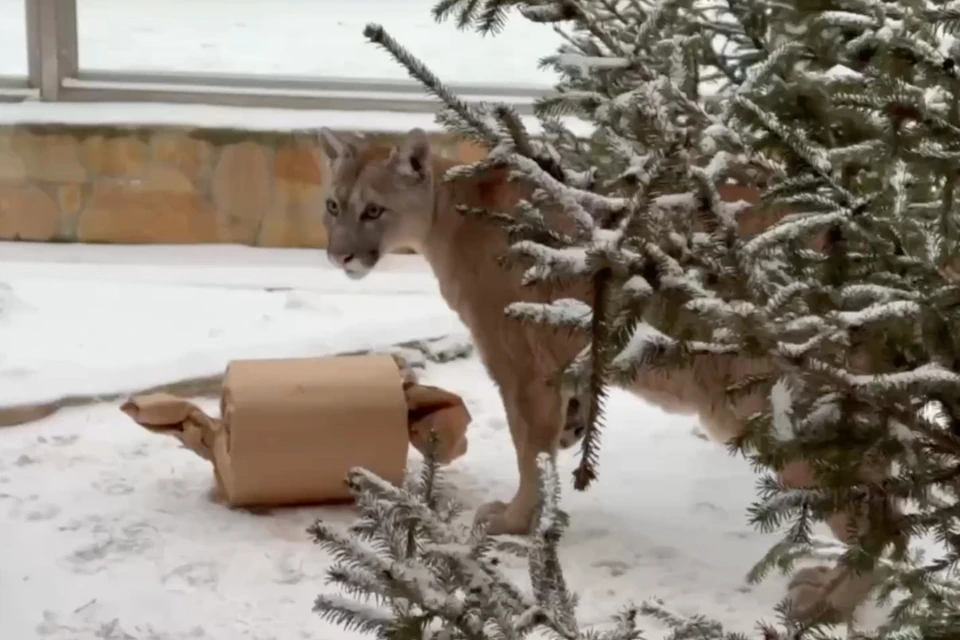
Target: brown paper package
291 429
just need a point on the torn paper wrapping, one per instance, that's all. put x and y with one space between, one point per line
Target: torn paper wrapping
291 429
432 408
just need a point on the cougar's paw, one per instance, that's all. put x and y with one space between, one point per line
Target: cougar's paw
814 594
500 519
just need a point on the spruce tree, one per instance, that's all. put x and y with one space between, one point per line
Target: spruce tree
842 119
409 570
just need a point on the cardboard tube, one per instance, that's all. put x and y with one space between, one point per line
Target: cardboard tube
292 428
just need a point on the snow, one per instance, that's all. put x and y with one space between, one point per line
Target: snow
285 37
298 38
109 530
120 326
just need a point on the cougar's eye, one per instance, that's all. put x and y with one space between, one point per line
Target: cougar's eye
372 212
332 207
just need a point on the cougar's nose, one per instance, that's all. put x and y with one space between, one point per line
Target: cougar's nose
340 259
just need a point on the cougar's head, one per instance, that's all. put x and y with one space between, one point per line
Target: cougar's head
381 198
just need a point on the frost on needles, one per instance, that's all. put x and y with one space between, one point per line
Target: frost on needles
837 264
408 570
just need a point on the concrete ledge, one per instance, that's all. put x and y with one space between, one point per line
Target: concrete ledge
199 116
130 184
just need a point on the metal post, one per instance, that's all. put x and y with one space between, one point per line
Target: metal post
52 44
50 73
32 11
67 37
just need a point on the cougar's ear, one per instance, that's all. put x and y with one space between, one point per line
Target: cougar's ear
338 146
411 158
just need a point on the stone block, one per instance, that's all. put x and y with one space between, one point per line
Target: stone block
115 156
241 191
298 164
12 168
27 213
295 218
180 151
469 152
70 198
49 157
162 207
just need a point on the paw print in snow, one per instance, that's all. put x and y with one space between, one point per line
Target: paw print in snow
115 546
43 513
111 485
496 424
64 441
203 575
616 568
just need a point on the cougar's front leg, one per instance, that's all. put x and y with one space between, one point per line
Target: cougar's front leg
534 416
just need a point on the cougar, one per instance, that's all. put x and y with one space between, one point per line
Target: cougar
384 198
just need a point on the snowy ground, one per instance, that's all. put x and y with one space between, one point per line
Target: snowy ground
285 37
133 317
108 530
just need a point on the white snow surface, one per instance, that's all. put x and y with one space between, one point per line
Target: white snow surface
109 527
109 531
91 320
286 37
300 38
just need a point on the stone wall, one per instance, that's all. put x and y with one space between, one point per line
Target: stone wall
115 184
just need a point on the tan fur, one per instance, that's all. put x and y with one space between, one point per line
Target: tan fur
420 214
